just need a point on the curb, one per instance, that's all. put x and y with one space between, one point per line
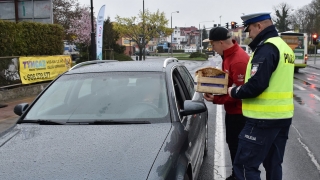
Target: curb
312 66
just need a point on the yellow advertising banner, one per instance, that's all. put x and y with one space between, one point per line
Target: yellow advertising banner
42 68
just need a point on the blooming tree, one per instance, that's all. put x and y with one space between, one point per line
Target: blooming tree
80 29
63 11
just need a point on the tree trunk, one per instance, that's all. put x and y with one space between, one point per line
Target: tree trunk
88 53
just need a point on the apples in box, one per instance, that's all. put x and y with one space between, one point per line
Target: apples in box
211 80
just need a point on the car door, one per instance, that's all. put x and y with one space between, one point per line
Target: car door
193 124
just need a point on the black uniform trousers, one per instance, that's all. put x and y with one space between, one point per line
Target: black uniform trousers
234 124
261 141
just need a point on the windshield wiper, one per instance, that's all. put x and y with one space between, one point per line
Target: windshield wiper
110 122
43 122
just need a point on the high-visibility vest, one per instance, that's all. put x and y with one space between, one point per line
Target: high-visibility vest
275 102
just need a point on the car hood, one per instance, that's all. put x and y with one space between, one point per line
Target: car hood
31 151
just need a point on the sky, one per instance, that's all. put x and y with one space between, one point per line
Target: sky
192 12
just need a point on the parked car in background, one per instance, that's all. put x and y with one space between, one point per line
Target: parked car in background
71 49
246 48
110 120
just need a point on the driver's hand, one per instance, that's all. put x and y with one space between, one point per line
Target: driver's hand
208 97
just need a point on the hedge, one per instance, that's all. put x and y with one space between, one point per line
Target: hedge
198 54
30 38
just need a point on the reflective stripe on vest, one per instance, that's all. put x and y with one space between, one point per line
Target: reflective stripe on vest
276 102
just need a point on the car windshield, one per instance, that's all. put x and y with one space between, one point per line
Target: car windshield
125 96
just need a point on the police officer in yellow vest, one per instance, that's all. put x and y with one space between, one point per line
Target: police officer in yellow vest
267 101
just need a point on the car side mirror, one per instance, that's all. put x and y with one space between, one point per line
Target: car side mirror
193 107
20 108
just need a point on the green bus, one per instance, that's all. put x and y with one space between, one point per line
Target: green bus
299 44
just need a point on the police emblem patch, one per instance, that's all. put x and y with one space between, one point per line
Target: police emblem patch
254 69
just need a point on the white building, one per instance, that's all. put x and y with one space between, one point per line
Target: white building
184 37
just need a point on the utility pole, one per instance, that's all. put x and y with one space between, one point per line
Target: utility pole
93 36
143 38
171 34
171 38
315 54
16 9
200 43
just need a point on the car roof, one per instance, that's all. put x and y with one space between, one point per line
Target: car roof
116 66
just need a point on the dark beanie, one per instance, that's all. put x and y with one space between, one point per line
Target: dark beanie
219 34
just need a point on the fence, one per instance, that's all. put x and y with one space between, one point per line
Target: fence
15 70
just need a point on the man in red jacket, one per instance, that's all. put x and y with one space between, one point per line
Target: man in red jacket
235 61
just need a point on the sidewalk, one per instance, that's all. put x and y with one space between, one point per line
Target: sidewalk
7 112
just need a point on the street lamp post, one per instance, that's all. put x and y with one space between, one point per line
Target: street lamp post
220 20
172 32
143 37
201 35
93 36
130 50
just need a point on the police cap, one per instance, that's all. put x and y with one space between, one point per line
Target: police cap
253 18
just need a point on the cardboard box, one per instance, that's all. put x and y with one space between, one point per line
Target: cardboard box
211 80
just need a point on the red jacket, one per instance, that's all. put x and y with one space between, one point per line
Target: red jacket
235 61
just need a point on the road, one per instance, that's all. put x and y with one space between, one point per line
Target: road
312 60
302 156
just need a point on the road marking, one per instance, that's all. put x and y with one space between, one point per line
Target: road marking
310 154
297 130
316 97
219 170
312 79
299 87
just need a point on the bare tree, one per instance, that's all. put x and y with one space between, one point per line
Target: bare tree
314 16
283 12
299 19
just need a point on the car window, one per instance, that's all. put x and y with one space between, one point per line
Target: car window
179 94
187 79
105 96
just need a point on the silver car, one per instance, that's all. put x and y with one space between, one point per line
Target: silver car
110 120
